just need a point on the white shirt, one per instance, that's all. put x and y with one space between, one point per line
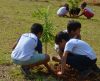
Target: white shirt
80 47
62 11
25 47
89 10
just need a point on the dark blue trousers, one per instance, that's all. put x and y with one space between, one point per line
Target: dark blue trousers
80 62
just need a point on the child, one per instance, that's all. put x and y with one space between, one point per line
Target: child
74 12
27 51
77 53
73 30
62 11
87 12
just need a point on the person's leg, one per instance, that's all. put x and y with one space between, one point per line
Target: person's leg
79 62
95 67
90 16
44 60
25 69
35 60
56 59
39 59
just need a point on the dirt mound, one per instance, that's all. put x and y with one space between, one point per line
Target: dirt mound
73 75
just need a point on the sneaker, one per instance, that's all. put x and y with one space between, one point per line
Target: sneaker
26 71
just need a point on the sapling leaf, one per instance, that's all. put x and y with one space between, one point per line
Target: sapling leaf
48 27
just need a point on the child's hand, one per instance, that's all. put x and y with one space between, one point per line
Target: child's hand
59 73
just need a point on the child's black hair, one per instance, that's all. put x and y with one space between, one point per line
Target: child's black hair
73 26
36 28
61 36
67 6
83 5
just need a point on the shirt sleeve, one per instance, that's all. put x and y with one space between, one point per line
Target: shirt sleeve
69 46
39 46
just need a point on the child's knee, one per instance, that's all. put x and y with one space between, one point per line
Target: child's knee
47 57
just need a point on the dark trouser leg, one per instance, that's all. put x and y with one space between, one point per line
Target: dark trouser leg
79 62
95 67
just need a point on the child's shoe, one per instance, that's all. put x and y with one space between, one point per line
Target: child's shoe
26 71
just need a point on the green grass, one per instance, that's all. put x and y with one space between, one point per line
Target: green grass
16 18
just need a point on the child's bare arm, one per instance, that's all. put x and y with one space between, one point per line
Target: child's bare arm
63 61
63 64
80 14
14 45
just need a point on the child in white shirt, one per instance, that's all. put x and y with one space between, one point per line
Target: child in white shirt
77 53
26 50
63 11
73 30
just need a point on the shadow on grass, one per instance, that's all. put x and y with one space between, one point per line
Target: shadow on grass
81 18
42 76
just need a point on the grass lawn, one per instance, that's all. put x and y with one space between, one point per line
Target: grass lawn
16 19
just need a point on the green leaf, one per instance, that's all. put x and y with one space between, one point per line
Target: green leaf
48 27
